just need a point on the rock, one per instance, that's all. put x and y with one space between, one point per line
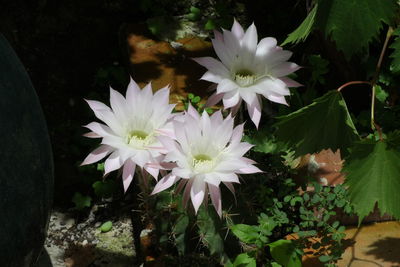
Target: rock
26 167
162 64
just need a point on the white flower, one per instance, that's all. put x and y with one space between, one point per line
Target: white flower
248 69
130 131
207 151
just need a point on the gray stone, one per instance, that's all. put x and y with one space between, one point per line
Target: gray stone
26 167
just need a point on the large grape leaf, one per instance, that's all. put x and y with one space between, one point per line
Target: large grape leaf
395 64
301 33
354 23
373 176
325 123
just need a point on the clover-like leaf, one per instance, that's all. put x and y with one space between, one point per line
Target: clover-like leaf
325 123
373 176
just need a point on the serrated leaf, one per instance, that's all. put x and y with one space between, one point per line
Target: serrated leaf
284 252
395 64
373 176
246 233
302 32
353 24
325 123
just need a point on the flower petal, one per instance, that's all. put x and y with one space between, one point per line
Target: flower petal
214 99
231 99
226 85
197 192
289 82
215 195
237 29
250 39
284 69
113 162
254 110
127 173
97 154
165 183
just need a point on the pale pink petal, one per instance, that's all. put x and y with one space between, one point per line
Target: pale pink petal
284 69
214 99
161 97
265 46
153 171
99 129
92 135
118 104
165 183
228 177
277 99
180 172
127 173
271 85
237 29
230 99
133 91
215 195
97 154
249 169
226 85
237 134
193 112
212 77
197 192
96 105
218 36
289 82
254 110
221 52
113 162
250 39
213 65
236 107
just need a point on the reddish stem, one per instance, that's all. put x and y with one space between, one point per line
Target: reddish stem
351 83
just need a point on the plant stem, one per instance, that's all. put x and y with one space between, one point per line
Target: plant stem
372 83
351 83
374 125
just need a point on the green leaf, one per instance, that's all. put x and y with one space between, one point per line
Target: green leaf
81 201
105 227
395 64
302 32
372 175
210 25
244 260
246 233
325 258
284 252
381 94
353 24
325 123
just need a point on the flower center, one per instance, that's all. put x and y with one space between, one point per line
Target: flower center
202 163
138 139
245 77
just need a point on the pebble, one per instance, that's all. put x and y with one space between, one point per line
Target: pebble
85 242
